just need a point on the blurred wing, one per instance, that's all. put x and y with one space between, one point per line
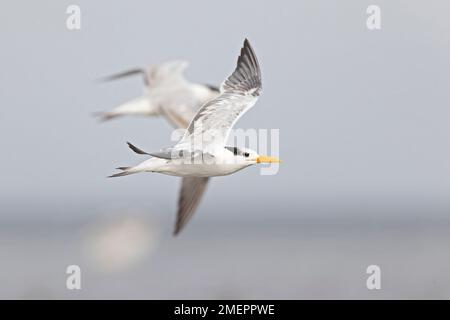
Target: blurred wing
183 102
192 189
178 117
128 73
239 93
169 73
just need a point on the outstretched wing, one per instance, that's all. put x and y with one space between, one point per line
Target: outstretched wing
169 73
192 190
239 93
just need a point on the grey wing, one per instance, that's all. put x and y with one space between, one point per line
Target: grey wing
246 78
177 118
239 93
192 190
184 102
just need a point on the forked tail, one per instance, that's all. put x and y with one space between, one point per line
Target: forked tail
149 165
125 172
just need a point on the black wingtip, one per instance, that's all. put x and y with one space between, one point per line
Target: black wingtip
104 116
121 75
246 76
247 45
136 149
120 174
177 230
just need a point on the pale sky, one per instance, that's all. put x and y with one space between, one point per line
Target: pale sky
363 115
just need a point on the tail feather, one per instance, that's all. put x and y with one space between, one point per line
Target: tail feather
125 74
105 116
125 172
148 165
121 174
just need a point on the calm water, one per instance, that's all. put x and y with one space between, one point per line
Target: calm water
133 257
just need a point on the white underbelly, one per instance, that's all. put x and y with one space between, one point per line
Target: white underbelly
200 170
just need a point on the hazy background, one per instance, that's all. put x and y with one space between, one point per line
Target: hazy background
364 135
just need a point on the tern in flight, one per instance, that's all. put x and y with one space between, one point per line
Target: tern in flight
166 88
202 152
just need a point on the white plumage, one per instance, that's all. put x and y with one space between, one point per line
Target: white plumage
166 90
202 152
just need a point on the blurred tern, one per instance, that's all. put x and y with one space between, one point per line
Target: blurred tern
165 88
215 119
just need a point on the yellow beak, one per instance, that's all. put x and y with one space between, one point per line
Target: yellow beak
266 159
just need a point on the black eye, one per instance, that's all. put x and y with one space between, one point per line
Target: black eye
246 154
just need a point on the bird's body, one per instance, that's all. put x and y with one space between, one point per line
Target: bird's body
202 152
166 88
222 163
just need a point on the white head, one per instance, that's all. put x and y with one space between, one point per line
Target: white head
247 157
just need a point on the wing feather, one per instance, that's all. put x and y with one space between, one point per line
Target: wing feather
239 93
192 190
246 78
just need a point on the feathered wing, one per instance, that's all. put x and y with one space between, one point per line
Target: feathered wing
246 78
178 117
192 190
169 73
239 93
